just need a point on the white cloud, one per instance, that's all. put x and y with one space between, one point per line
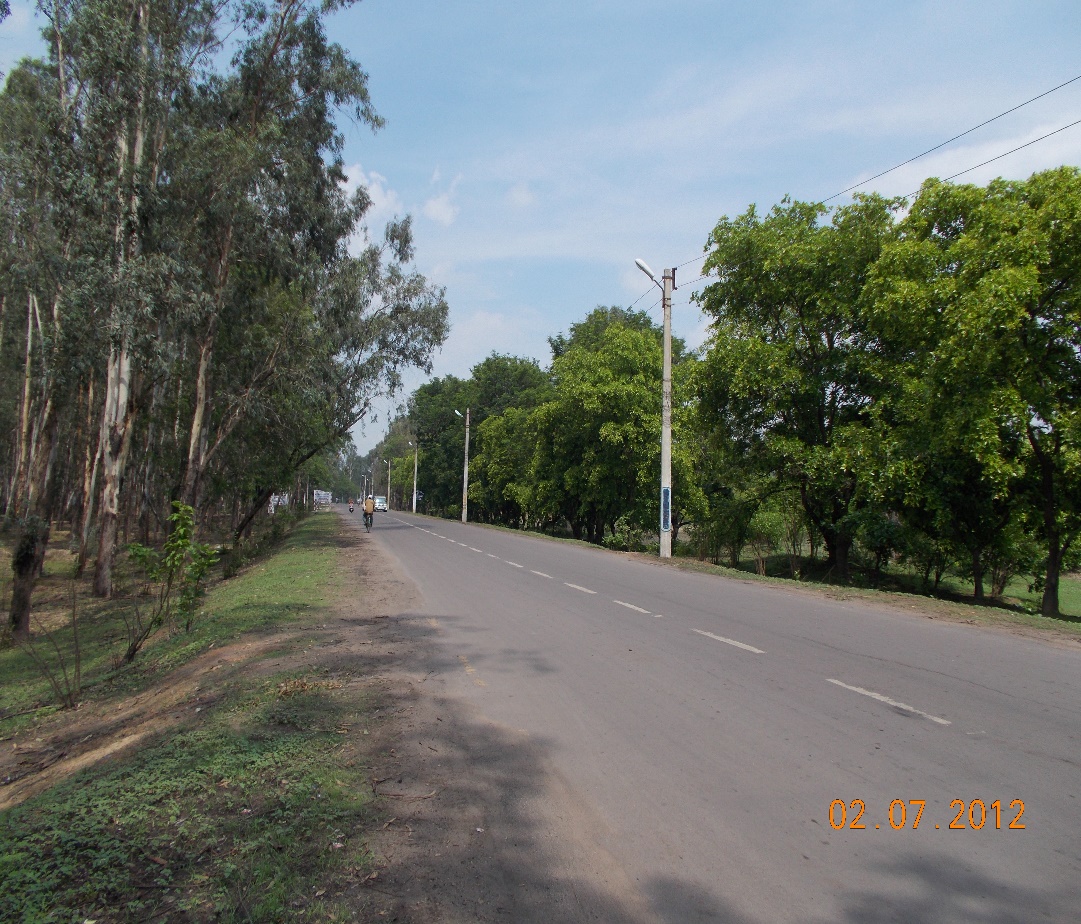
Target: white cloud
521 196
441 209
386 203
477 334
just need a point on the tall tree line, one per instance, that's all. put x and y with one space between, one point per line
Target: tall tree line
181 317
889 381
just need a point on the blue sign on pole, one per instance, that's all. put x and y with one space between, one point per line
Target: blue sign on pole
666 510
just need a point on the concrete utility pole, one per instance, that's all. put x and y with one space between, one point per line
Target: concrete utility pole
666 406
465 473
416 448
666 419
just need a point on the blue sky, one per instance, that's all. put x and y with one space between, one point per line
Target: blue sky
541 147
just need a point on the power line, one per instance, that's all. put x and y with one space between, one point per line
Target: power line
951 140
955 137
1007 154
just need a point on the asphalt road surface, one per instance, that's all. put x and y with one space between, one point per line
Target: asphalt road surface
711 723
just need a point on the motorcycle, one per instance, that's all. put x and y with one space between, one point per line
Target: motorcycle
350 508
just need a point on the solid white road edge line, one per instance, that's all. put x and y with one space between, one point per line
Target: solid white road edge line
631 606
729 641
891 702
584 590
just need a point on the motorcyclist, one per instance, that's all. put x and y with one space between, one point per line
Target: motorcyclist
369 510
350 505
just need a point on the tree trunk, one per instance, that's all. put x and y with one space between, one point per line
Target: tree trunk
26 561
24 416
1049 605
977 575
261 501
29 555
116 443
838 549
197 436
90 496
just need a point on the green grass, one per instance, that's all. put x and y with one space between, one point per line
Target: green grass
283 593
250 812
955 600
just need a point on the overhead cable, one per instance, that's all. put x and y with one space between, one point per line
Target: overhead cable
954 138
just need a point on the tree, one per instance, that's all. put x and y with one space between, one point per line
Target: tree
784 371
597 435
990 277
195 325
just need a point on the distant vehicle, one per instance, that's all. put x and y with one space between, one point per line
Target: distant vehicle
380 502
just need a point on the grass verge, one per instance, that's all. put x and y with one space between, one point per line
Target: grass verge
253 808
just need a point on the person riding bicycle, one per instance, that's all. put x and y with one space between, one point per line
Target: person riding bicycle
369 510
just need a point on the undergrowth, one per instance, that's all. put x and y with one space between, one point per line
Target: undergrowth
253 811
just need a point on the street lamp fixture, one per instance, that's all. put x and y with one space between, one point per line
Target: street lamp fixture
667 289
465 469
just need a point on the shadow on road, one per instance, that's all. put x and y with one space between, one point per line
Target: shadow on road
940 889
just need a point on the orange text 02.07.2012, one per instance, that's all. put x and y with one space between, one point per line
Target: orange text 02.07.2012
964 816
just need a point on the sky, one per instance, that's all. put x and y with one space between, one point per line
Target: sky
541 147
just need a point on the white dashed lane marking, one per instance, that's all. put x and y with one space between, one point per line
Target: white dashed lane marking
584 590
729 641
475 550
631 606
516 565
891 702
540 574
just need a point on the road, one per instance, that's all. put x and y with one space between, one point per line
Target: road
709 723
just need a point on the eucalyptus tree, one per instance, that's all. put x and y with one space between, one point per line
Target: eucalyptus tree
45 256
785 373
180 241
260 165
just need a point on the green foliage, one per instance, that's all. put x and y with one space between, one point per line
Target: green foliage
786 374
178 570
175 223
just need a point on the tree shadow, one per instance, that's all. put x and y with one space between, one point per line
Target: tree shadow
939 888
479 826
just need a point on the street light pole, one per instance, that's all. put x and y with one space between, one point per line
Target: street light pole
388 483
666 419
666 407
416 447
465 469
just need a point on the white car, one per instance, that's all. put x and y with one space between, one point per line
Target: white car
380 502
